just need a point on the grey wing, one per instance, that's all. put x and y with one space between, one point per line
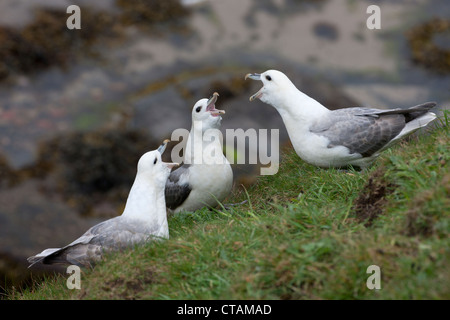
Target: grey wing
361 130
80 252
177 187
409 113
118 233
113 234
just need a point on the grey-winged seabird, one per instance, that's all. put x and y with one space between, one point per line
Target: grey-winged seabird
143 219
206 177
337 138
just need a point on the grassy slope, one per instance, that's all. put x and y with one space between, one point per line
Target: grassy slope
299 237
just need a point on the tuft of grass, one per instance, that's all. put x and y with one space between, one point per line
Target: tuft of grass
299 236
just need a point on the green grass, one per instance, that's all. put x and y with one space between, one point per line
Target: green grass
299 237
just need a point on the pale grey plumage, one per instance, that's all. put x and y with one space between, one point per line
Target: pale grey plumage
112 235
339 138
144 218
365 130
176 193
204 179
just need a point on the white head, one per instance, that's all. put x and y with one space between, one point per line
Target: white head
205 111
275 87
150 164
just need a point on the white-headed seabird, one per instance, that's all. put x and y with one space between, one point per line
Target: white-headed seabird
205 178
338 138
143 219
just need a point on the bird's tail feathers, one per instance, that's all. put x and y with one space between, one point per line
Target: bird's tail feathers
41 256
415 124
410 113
419 122
421 112
424 106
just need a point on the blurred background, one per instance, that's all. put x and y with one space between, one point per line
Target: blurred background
79 107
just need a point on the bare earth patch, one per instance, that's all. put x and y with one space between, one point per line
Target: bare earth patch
372 199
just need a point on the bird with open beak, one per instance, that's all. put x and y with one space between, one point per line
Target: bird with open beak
337 138
143 219
202 180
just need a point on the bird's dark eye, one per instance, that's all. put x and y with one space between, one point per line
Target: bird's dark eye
269 78
156 160
198 109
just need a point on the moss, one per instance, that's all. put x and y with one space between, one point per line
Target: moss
424 50
150 12
16 55
47 41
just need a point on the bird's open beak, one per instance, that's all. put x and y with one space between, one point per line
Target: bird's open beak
162 147
211 106
254 76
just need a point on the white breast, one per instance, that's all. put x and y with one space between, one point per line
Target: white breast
210 183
